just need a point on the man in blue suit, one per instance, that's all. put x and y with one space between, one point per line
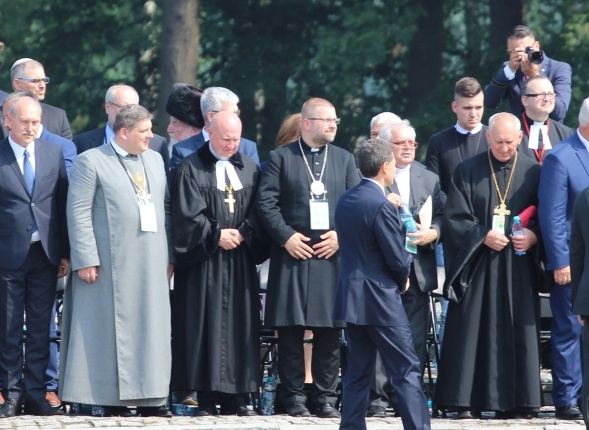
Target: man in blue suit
34 251
565 173
213 100
374 272
508 82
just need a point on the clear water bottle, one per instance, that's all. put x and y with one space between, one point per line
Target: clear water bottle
517 229
268 396
410 227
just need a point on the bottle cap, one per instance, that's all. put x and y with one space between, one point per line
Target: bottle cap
516 219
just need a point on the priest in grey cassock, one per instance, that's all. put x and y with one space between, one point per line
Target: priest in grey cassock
490 360
216 308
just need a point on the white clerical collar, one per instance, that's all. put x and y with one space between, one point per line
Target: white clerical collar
118 149
224 166
402 171
379 185
109 134
462 130
39 131
534 138
585 141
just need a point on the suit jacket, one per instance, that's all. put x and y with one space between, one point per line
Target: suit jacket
579 247
67 147
559 74
19 210
565 173
374 263
55 120
186 147
3 131
423 184
557 132
95 138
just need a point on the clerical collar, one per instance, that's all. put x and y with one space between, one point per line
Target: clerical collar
501 164
462 130
532 122
585 141
109 134
217 156
120 150
309 148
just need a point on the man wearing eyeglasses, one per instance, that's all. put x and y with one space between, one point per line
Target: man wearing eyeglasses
296 202
213 100
540 132
526 60
27 74
413 185
116 97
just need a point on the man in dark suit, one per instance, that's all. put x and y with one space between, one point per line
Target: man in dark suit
374 272
116 97
34 251
213 100
28 75
580 284
508 82
540 132
413 185
565 173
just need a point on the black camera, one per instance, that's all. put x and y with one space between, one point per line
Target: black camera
535 57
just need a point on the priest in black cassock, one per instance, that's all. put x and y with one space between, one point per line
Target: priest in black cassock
296 203
490 360
215 309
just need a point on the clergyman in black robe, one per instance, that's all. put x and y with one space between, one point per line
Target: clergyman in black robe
490 360
215 305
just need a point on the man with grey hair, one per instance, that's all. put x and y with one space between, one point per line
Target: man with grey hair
374 271
412 187
27 74
378 121
115 98
491 282
118 354
564 176
213 100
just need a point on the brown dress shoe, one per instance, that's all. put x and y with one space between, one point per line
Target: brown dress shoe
52 399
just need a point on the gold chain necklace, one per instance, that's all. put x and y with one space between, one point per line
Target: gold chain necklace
502 208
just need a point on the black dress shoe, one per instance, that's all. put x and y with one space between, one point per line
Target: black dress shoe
297 409
327 410
41 408
568 412
8 409
376 411
468 414
154 411
244 411
117 411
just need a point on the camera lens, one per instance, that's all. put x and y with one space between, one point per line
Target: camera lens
535 57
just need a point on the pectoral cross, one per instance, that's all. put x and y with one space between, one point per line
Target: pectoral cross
502 210
230 200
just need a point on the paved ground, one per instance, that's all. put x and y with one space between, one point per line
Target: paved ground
277 422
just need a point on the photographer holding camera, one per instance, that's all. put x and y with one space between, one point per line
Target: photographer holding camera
526 60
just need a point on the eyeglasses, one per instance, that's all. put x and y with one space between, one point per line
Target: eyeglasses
237 112
548 96
335 121
409 143
114 104
35 80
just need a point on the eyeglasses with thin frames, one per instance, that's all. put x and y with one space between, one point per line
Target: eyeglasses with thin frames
36 80
548 96
409 143
335 121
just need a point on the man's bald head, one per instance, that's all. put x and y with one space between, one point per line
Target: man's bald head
225 133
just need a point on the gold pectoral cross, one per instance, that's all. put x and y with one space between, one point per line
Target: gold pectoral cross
230 200
138 179
502 210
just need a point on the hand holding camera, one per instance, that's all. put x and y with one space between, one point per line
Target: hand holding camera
528 59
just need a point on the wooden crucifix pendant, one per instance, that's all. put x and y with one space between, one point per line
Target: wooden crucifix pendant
230 200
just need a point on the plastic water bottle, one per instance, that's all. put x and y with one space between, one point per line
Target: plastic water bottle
410 227
269 394
517 229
